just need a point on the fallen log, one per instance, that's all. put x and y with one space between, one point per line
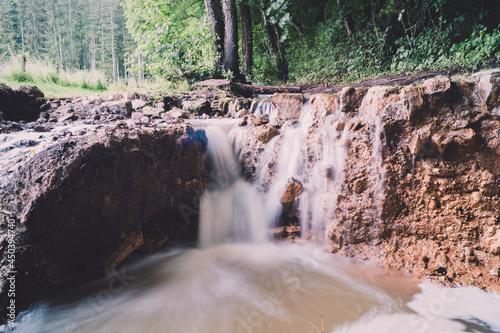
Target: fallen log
247 90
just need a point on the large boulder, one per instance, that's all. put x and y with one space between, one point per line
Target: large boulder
77 206
21 103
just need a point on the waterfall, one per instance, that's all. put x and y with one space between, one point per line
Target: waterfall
230 208
311 150
238 282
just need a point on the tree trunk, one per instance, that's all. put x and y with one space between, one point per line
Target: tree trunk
22 33
71 41
113 53
216 19
276 47
246 37
60 55
231 59
92 54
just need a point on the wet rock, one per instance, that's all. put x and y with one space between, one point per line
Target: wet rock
261 120
490 130
493 243
128 106
401 207
339 125
243 113
224 105
41 129
421 144
199 106
243 121
63 110
292 191
266 133
45 107
68 118
375 101
235 107
351 98
274 122
433 204
325 104
288 106
475 198
44 115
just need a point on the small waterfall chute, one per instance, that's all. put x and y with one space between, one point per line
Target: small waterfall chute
230 208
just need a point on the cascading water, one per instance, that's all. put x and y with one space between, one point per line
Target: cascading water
231 209
311 150
238 282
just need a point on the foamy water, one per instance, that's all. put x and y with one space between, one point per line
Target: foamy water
263 288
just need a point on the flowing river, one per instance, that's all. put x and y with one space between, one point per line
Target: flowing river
239 280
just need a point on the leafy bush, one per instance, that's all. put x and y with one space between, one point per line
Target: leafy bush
21 77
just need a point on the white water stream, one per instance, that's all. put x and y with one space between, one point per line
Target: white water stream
238 281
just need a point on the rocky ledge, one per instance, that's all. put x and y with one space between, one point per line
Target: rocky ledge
419 188
86 186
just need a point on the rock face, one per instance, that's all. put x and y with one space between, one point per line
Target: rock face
419 185
82 196
287 105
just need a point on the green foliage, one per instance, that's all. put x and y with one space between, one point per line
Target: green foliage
480 50
174 36
21 77
278 13
264 65
171 40
331 59
403 47
53 77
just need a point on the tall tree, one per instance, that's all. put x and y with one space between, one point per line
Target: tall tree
246 36
231 58
9 27
216 20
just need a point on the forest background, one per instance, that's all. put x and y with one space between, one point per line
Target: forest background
69 45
